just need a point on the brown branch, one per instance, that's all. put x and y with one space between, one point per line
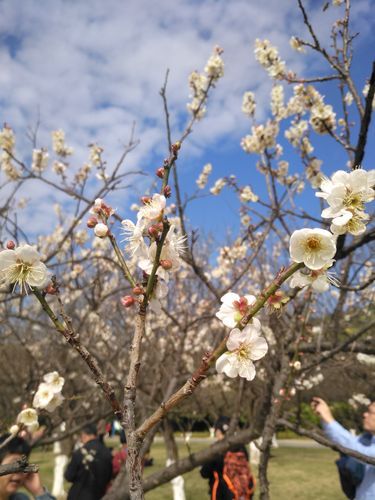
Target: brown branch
326 442
365 122
21 465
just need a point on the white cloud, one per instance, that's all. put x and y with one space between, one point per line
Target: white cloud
95 67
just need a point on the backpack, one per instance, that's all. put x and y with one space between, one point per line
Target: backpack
351 471
237 475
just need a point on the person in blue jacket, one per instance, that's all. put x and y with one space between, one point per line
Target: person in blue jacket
365 490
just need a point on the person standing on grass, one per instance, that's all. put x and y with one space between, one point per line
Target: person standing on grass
10 483
229 474
361 475
90 469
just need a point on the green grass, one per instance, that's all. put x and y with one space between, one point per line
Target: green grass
294 473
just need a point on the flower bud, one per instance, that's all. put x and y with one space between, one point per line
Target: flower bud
11 245
127 300
101 230
166 264
14 429
167 191
92 222
297 365
145 199
153 231
138 290
160 172
175 147
50 289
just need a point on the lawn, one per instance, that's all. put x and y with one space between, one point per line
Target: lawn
295 473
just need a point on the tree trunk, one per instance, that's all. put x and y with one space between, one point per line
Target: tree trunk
172 456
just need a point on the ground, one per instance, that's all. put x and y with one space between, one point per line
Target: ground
295 473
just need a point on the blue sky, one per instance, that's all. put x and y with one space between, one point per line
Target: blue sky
92 68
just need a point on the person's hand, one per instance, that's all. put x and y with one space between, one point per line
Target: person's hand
322 409
33 484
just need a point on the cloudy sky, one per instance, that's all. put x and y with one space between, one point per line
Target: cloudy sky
93 67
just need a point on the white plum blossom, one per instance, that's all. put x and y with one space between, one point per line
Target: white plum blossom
29 418
267 55
359 400
314 247
153 209
39 160
322 118
134 236
43 396
248 103
48 395
244 347
248 195
234 308
366 359
14 429
215 65
160 292
218 186
54 380
346 193
22 267
319 280
58 144
174 246
296 44
203 177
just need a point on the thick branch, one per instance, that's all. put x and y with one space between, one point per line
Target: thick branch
21 465
326 442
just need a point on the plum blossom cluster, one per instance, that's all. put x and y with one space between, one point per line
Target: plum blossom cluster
22 266
200 83
58 144
7 143
358 400
142 240
203 176
100 215
267 55
39 160
47 397
346 194
244 346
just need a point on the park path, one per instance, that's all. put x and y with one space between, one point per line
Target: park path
283 443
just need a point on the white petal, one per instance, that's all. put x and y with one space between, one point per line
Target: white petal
38 275
226 363
229 298
259 348
247 370
343 219
320 284
27 253
236 338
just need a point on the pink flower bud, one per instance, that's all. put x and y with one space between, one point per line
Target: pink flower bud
127 300
138 290
92 222
160 172
166 264
50 289
11 245
167 191
101 230
153 231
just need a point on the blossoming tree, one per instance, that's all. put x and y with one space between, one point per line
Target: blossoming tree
157 318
